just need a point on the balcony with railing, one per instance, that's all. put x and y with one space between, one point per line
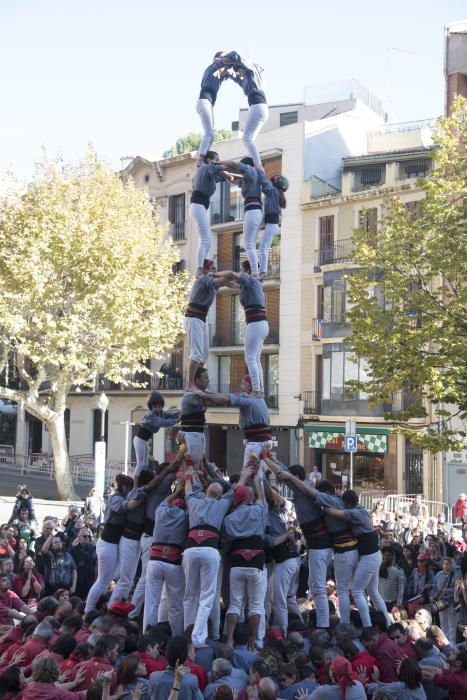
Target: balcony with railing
171 381
338 252
274 263
346 403
368 178
271 391
412 169
234 335
177 231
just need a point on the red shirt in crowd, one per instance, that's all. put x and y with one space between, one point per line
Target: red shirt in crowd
48 691
199 672
82 635
9 601
408 649
12 636
387 654
93 667
150 663
20 581
454 683
366 661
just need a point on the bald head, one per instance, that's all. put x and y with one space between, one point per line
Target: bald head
268 688
214 490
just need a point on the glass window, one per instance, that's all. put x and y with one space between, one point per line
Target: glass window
337 373
224 374
288 118
326 376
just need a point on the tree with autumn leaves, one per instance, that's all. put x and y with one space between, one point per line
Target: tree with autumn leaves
409 298
87 289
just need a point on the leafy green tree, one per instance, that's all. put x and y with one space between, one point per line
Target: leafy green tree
191 141
409 298
87 289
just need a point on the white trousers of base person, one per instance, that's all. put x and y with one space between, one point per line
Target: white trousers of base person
246 584
318 562
160 573
255 119
252 221
345 564
215 615
255 448
255 334
265 607
366 578
449 620
200 565
142 453
128 553
284 596
137 598
270 231
206 114
200 216
198 339
196 445
107 561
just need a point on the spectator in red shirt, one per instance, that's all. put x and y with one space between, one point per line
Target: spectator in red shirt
385 650
148 651
82 652
105 655
39 642
460 508
28 584
453 680
398 633
363 664
11 606
7 542
45 674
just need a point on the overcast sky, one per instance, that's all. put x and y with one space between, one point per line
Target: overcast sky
124 74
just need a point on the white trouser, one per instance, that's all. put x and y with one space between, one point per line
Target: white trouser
449 619
255 448
107 560
344 567
246 581
158 573
200 216
196 445
142 454
163 612
200 565
256 117
366 578
137 598
251 224
206 114
255 333
215 614
265 603
270 231
284 596
198 339
318 562
128 555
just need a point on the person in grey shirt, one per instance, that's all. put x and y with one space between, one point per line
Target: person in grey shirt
201 298
212 79
253 420
221 673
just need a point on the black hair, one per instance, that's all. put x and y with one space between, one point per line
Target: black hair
248 160
424 644
298 471
350 498
462 657
234 478
177 648
82 651
260 667
396 627
379 620
72 622
64 645
246 267
105 644
326 486
282 199
241 633
306 671
10 680
122 480
145 477
210 155
410 674
199 372
131 643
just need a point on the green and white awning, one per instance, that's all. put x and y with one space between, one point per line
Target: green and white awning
332 438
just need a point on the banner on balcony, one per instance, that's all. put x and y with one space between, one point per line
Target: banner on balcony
367 442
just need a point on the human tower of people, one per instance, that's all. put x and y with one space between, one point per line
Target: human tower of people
210 545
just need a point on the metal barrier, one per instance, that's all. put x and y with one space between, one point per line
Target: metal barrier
7 454
402 503
369 498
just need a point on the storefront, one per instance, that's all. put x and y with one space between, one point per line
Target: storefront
372 463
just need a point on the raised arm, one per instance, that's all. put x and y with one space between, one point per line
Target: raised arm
335 512
300 485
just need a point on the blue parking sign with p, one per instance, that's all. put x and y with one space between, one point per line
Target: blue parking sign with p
351 443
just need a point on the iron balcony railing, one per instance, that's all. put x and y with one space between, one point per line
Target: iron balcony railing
274 263
347 403
339 252
234 334
317 326
151 383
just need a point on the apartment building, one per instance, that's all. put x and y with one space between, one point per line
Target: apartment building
455 62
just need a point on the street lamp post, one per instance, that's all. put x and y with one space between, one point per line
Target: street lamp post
99 447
